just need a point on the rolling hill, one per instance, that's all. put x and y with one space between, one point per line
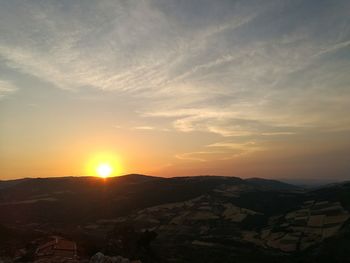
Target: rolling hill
195 219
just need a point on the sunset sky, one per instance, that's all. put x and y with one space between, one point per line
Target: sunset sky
172 88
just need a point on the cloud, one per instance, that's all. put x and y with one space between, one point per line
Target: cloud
334 47
222 151
235 145
203 156
6 88
147 128
277 133
225 68
238 149
225 123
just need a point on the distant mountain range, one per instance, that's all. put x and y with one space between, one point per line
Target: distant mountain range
196 219
95 197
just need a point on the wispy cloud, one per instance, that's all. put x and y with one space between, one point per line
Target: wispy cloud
225 68
224 122
202 156
147 128
6 88
334 47
235 145
222 151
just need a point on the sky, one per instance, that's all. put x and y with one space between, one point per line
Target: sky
175 88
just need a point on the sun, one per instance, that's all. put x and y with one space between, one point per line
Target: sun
104 165
104 170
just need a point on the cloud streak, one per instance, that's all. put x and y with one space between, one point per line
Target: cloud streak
6 88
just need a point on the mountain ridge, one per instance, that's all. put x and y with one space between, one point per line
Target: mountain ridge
215 216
